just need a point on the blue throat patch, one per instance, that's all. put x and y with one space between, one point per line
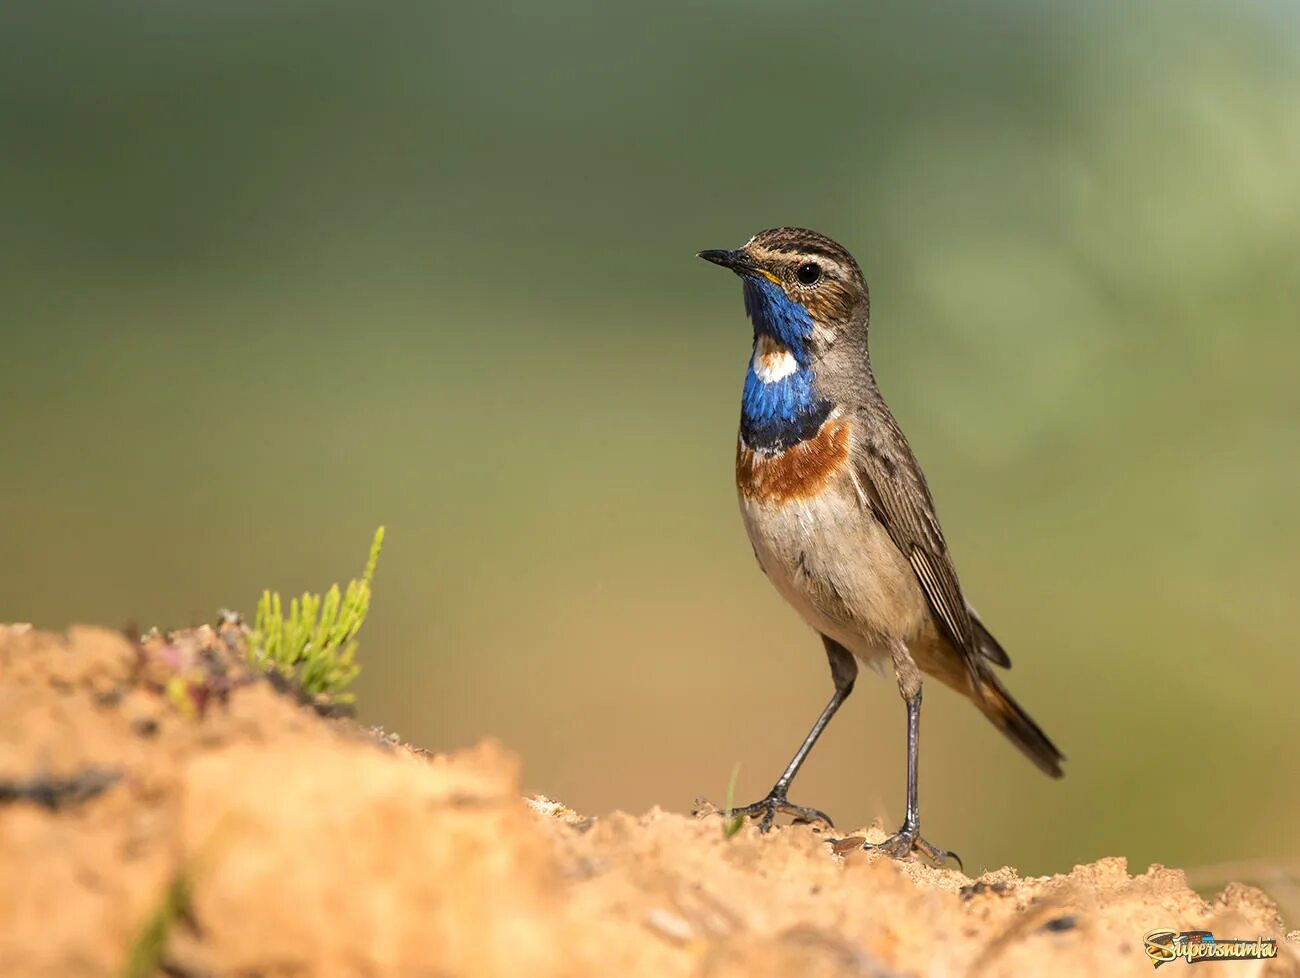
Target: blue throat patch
776 415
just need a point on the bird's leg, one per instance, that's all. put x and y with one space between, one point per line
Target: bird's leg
844 670
776 802
908 838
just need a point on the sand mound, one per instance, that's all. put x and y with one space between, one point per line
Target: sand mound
248 836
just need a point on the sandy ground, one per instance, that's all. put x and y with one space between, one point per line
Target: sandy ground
249 836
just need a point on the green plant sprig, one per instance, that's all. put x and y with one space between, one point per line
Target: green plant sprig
315 643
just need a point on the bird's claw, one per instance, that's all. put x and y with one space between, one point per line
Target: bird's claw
777 804
907 840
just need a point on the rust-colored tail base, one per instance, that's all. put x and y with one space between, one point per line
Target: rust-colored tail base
1009 717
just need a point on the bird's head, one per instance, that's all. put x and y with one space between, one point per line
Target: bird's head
802 290
808 302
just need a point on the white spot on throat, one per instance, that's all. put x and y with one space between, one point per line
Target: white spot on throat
772 360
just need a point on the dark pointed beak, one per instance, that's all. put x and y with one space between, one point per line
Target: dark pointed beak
738 261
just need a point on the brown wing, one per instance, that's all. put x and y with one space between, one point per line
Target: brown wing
901 500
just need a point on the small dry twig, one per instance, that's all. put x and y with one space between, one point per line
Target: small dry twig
56 792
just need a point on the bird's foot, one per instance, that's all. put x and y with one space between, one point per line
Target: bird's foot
907 840
776 804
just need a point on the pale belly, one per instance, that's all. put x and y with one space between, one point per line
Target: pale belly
837 566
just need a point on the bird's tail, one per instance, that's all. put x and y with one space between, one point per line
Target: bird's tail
1009 717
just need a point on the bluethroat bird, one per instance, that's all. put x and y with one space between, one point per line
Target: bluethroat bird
839 514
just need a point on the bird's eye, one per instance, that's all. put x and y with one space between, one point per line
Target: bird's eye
808 274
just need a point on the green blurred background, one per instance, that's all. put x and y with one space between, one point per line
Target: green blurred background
275 273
